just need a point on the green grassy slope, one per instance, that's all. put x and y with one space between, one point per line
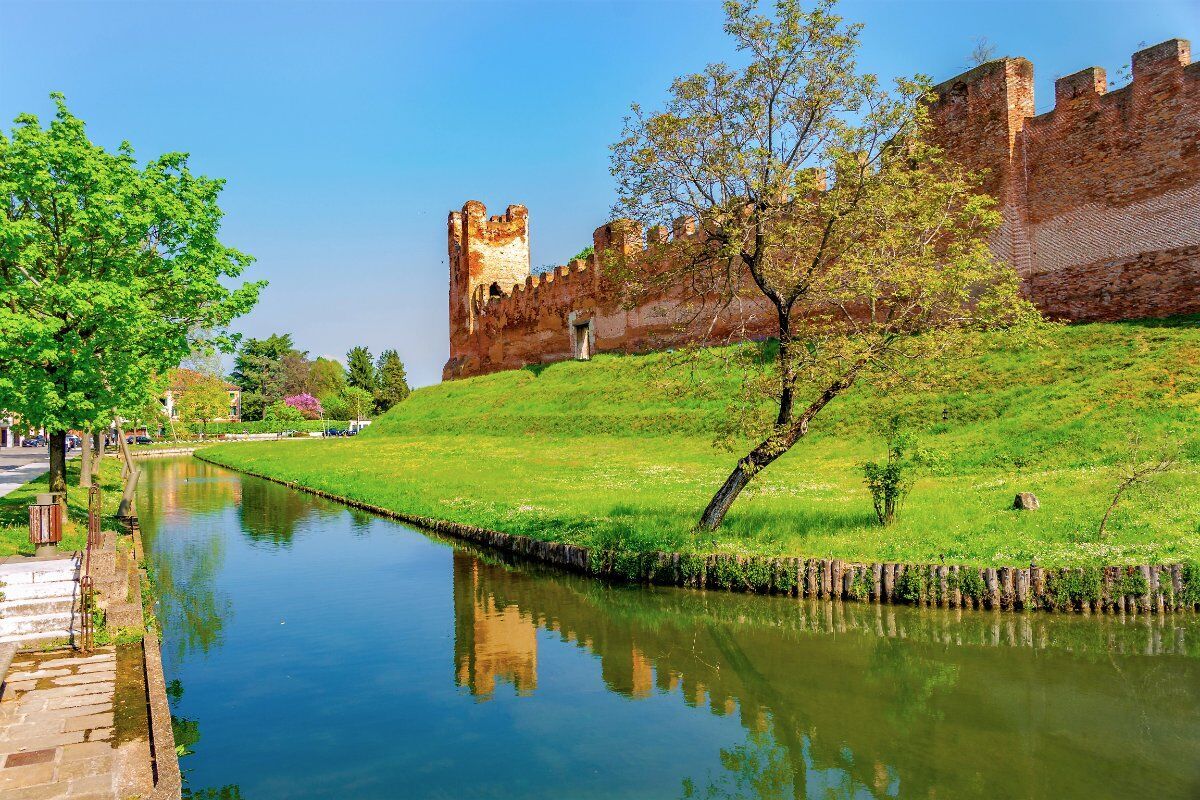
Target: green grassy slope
618 452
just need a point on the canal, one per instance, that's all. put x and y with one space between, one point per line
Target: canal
313 651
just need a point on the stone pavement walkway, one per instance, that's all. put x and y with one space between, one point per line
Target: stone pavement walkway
56 727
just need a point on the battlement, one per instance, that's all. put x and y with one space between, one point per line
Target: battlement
1099 198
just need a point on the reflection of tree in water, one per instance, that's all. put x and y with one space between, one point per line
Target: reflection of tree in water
269 514
187 736
833 696
909 680
184 573
759 768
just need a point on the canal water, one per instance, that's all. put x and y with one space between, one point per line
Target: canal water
318 652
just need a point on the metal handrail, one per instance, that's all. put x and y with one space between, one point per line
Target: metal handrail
87 597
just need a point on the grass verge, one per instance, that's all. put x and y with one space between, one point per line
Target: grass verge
618 453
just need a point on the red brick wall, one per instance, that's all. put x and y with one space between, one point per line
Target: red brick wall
1100 198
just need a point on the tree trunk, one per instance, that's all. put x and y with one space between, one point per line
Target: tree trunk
125 509
775 445
97 455
85 460
58 461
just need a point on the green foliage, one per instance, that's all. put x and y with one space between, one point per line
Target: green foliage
108 271
392 381
268 426
259 370
966 581
282 412
585 254
861 585
890 481
198 398
326 377
358 403
360 370
335 406
1189 593
1133 583
1071 588
910 587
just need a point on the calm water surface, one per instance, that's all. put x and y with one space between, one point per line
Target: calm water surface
319 652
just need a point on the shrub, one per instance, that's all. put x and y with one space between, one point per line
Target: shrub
308 406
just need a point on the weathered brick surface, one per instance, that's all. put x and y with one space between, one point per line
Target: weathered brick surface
1100 199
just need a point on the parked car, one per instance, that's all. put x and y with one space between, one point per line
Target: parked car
351 432
138 440
36 441
334 432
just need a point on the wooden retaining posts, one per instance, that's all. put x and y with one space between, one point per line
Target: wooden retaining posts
1141 589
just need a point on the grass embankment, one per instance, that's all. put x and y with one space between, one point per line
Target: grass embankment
14 509
618 453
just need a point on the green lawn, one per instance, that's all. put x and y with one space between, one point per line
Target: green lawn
14 509
618 452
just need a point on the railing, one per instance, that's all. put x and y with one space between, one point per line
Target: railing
87 597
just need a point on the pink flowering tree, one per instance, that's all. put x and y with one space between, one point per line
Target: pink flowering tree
306 404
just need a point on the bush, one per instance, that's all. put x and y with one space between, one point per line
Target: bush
282 412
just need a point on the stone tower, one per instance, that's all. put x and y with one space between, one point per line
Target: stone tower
488 257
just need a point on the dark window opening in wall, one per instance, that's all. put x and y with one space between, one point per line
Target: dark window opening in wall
494 291
583 345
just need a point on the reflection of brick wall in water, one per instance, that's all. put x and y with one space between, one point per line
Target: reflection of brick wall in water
490 643
1100 198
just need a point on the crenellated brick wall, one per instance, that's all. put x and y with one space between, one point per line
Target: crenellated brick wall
1100 199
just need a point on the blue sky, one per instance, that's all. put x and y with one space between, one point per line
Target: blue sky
347 131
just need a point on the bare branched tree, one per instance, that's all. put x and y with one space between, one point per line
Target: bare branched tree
818 196
983 51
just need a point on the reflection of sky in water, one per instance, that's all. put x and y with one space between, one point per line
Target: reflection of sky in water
325 653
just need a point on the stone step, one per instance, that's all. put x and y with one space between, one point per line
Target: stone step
30 640
40 591
42 605
27 571
36 623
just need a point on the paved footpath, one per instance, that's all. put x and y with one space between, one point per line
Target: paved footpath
19 466
56 727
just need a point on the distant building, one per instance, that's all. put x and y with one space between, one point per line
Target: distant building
179 381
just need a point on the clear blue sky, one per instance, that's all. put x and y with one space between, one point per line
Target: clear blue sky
347 131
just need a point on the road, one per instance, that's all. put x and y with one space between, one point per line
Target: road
19 465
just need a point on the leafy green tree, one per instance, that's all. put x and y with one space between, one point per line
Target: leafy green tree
358 403
297 373
335 407
199 398
889 481
393 382
281 412
326 376
108 270
258 369
820 196
360 369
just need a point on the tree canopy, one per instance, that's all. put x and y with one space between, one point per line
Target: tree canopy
108 270
392 381
360 369
198 398
258 370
